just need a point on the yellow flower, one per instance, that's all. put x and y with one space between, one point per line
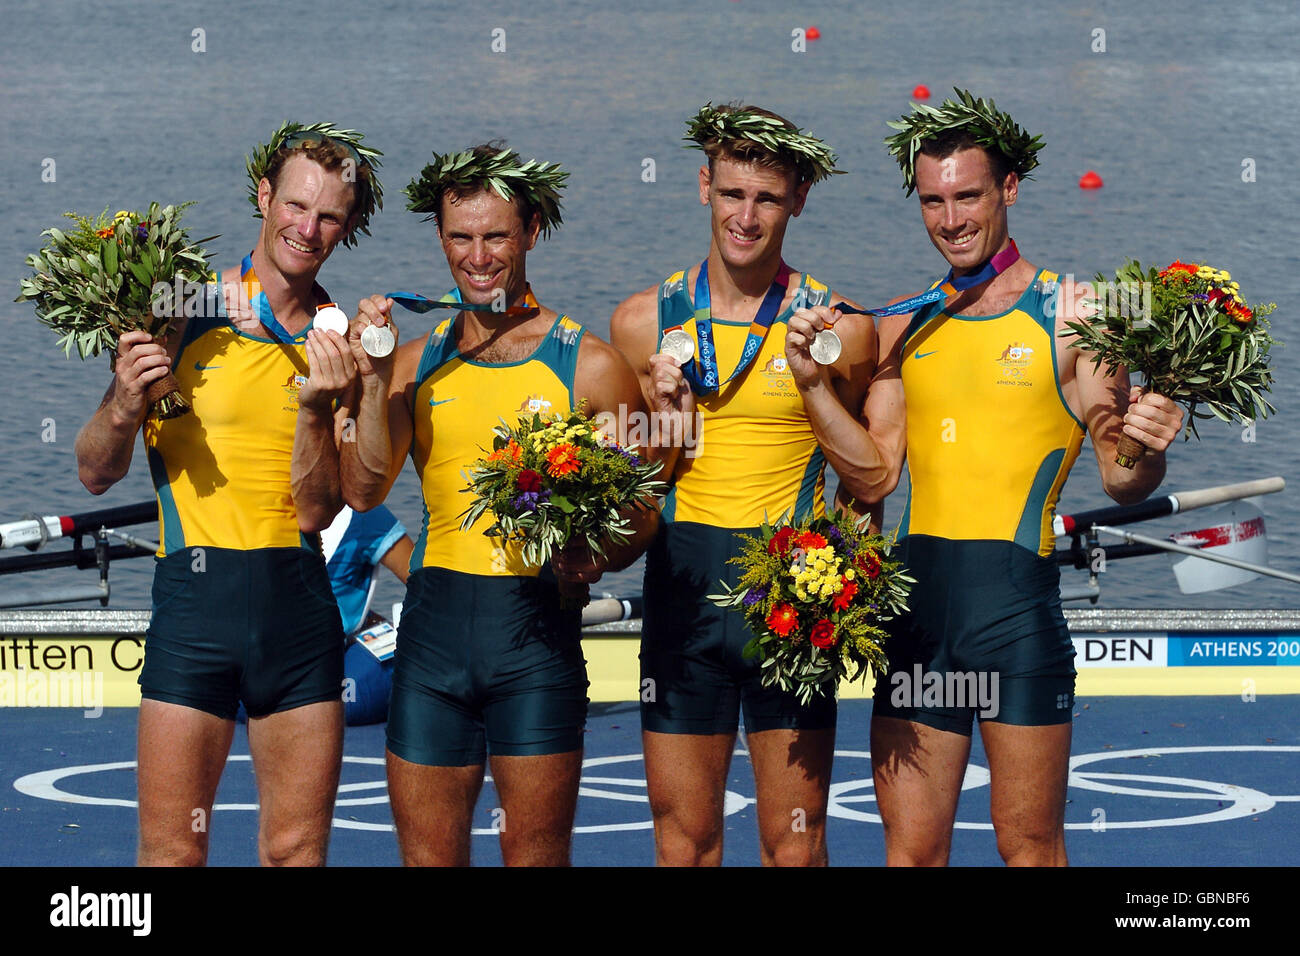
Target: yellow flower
120 215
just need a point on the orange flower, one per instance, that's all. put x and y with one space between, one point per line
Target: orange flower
508 454
1241 314
809 540
104 233
562 460
847 593
782 620
1177 267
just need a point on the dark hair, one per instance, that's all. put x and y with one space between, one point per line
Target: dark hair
943 144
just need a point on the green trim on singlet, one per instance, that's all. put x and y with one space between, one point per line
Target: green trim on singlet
174 533
806 500
1029 530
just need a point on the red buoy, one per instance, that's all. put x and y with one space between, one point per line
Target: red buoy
1090 180
812 33
922 92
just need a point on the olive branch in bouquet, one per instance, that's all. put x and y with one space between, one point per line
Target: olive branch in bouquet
1196 342
108 276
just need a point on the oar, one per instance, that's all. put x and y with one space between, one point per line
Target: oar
32 531
1167 505
1133 538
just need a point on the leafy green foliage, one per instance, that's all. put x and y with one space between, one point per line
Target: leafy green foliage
991 128
813 158
1200 345
538 183
96 281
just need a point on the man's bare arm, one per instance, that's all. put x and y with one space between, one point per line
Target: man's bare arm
370 463
105 444
634 332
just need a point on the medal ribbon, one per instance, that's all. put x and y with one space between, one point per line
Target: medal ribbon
948 287
415 302
261 306
702 372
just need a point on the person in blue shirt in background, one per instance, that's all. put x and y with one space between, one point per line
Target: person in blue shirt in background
355 545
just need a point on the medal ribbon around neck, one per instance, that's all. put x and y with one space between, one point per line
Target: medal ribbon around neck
950 286
261 306
415 302
702 373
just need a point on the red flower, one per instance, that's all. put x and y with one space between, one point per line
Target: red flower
562 460
809 540
867 562
782 620
846 596
780 542
823 634
1177 267
530 480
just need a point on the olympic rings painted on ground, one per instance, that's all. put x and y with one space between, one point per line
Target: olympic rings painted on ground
1234 801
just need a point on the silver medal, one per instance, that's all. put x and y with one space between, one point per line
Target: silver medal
331 319
377 340
679 344
826 347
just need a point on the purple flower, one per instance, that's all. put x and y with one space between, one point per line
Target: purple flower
636 462
754 596
529 500
1200 297
142 231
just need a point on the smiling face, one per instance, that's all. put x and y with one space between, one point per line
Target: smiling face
752 206
304 217
486 243
964 206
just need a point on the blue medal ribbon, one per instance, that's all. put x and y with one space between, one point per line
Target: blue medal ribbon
261 306
415 302
702 373
949 286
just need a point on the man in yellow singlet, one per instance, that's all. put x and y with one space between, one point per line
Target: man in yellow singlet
242 607
746 433
997 404
488 662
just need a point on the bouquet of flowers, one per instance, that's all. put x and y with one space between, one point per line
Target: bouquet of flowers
109 276
556 479
1193 340
814 594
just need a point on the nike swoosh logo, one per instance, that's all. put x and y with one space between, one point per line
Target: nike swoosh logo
923 354
441 401
204 368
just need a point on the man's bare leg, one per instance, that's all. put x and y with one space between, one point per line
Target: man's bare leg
1030 767
686 776
297 755
433 808
181 754
539 797
792 773
918 772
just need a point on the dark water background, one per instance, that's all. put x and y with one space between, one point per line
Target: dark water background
1183 93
